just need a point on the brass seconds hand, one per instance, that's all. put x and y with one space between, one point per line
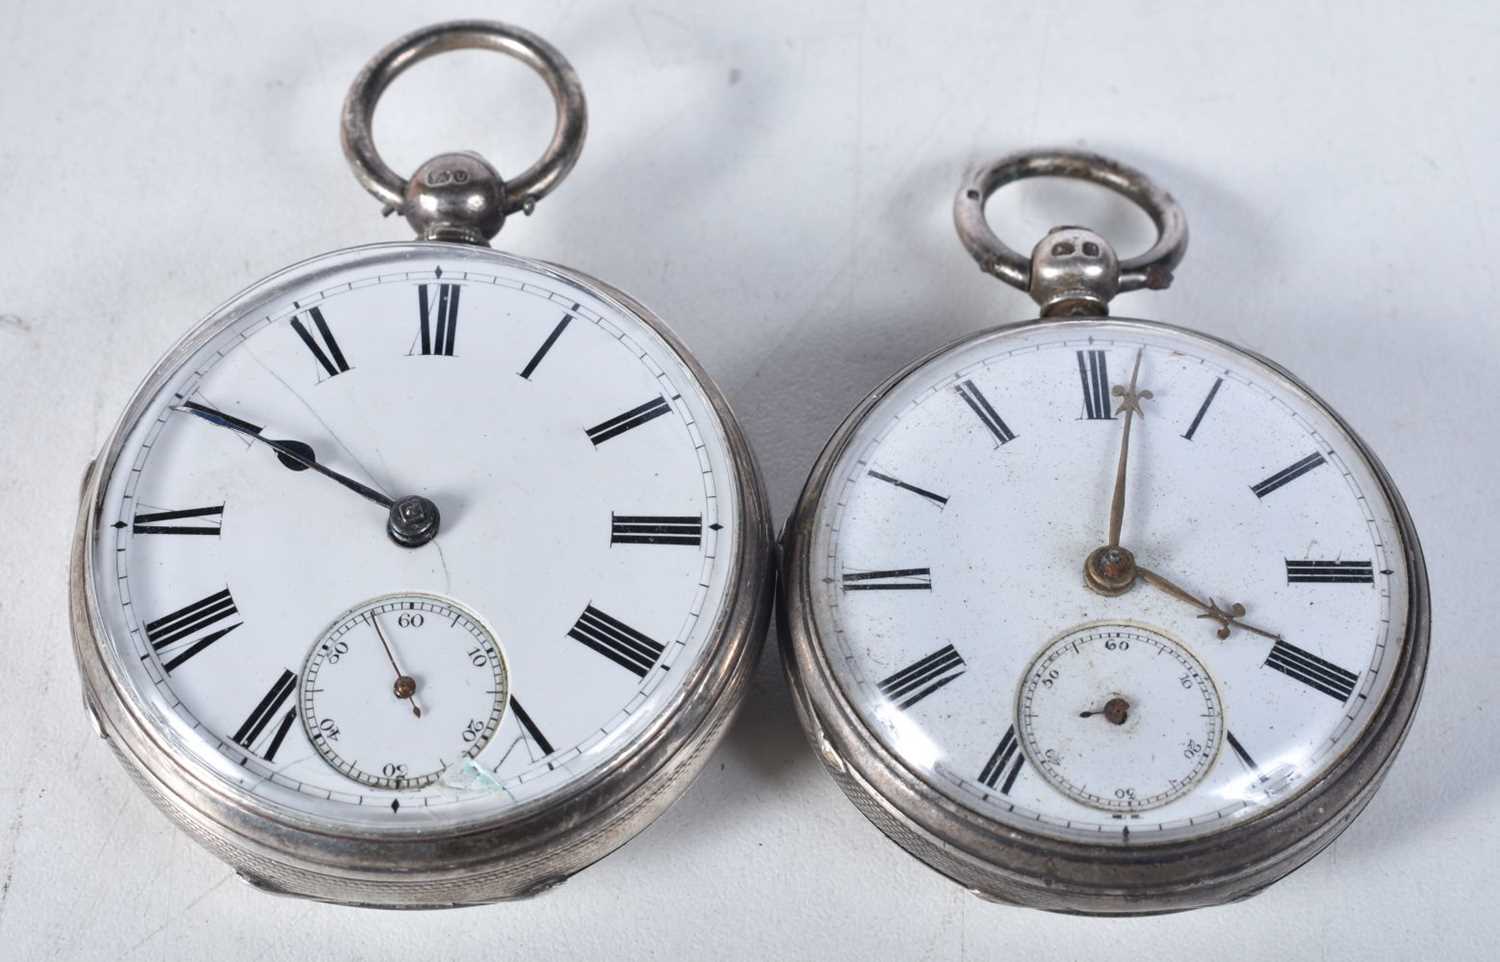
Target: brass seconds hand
405 686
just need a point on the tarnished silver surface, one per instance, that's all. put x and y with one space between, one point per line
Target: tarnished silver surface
459 196
1153 269
1040 871
532 847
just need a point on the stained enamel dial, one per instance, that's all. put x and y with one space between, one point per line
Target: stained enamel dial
587 498
1119 717
948 555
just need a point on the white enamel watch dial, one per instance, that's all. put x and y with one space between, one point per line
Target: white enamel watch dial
949 548
585 563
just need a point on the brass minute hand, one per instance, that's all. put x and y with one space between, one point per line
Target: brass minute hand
1130 405
1226 617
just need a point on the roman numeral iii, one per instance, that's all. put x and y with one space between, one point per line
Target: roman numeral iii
257 734
1312 671
1329 572
183 521
656 529
897 579
616 641
1005 762
1093 373
923 677
439 325
321 343
184 633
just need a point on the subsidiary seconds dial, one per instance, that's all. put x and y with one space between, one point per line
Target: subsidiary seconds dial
1119 717
401 689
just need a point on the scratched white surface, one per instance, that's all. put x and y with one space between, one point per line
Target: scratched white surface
773 178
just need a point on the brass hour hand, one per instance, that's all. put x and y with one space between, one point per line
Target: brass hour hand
1227 618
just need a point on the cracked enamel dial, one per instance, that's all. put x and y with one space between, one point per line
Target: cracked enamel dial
1264 587
581 565
445 670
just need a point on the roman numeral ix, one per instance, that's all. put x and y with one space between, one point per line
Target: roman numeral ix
439 327
170 522
1312 671
1329 572
1006 761
633 418
249 736
1287 475
616 641
920 679
655 529
897 579
1093 372
980 405
332 359
177 637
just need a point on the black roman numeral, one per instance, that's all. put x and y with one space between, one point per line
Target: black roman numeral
1007 753
249 736
920 679
1203 409
331 360
633 418
529 727
655 529
1287 475
616 641
897 579
936 499
541 352
1312 671
438 332
1239 750
1093 372
1330 572
159 522
176 636
980 405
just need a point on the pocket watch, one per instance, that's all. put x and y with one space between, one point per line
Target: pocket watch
1101 615
418 573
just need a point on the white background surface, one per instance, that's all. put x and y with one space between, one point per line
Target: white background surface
774 179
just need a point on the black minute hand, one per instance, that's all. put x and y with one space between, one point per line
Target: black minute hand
294 450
